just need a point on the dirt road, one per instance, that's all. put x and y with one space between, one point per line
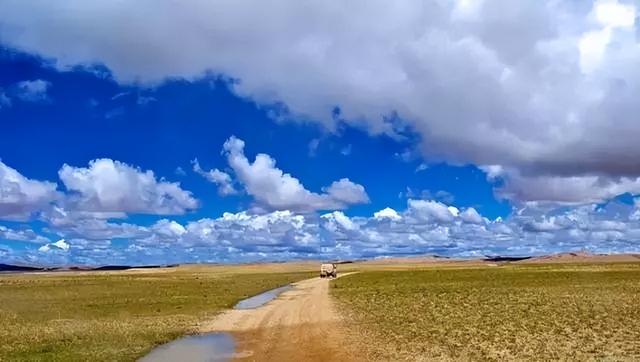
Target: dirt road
300 325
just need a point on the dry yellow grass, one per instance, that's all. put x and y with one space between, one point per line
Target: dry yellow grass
107 316
544 312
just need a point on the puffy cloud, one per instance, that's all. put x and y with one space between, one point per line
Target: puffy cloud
99 229
221 179
263 221
550 224
168 228
20 196
249 236
609 16
58 245
431 210
21 235
339 219
386 213
346 192
440 195
60 217
470 215
559 189
534 86
32 90
113 186
274 189
422 228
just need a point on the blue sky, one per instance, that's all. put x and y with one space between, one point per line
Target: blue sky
316 145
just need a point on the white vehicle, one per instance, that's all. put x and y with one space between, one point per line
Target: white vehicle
328 270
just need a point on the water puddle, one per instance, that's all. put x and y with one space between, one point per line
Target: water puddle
261 299
210 347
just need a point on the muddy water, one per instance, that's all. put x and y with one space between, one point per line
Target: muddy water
210 347
261 299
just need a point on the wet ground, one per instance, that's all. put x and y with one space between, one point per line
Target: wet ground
261 299
208 347
300 325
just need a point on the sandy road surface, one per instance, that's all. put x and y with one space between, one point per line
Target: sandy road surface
300 325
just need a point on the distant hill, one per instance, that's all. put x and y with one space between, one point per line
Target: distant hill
126 267
18 268
581 256
506 258
23 268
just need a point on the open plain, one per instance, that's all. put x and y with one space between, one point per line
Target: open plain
585 311
120 315
391 309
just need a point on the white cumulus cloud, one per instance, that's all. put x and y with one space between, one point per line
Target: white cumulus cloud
58 245
220 178
21 196
538 86
113 186
386 213
274 189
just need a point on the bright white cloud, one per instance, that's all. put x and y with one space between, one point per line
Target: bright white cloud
58 245
346 192
113 186
422 228
386 213
339 218
29 235
470 215
610 15
221 179
431 210
263 221
534 85
614 13
168 228
21 196
274 189
536 89
61 244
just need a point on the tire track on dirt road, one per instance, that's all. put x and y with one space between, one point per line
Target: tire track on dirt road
300 325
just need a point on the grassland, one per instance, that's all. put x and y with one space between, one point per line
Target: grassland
118 316
538 312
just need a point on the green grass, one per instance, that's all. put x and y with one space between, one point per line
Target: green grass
546 312
116 316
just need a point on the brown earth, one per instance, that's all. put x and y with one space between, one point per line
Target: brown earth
582 257
300 325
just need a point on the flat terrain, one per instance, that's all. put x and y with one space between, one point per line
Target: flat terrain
391 309
512 312
300 325
107 316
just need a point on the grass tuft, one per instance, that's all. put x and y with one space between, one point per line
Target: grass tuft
116 316
515 313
